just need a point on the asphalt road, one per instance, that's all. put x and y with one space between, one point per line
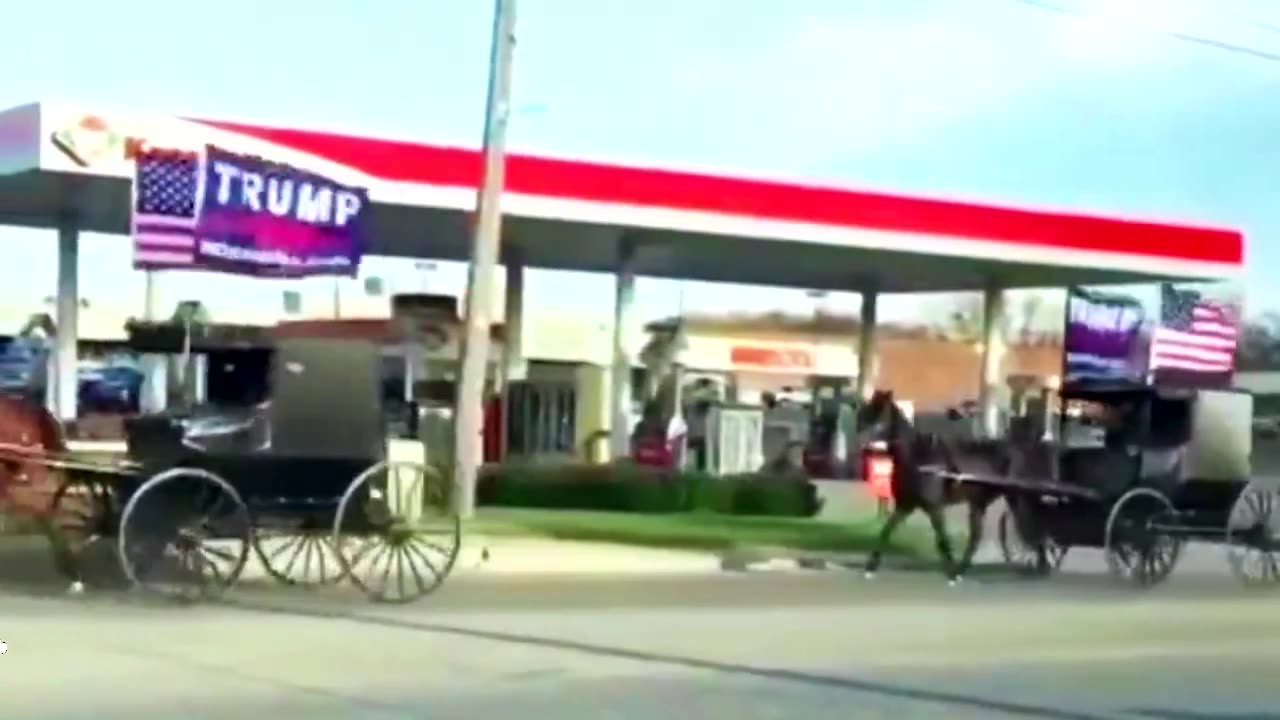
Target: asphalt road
777 645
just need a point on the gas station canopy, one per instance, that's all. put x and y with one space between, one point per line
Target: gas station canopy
60 164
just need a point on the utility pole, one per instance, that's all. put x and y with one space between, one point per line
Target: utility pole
469 409
155 395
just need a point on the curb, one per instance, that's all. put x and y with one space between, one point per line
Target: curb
527 557
530 556
535 557
778 560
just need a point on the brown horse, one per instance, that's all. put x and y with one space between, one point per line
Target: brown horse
29 486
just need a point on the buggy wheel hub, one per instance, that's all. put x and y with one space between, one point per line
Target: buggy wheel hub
400 532
188 539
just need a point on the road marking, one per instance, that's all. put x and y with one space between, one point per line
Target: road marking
1070 656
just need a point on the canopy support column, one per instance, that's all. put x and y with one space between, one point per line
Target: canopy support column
65 379
866 382
620 375
155 382
992 360
514 366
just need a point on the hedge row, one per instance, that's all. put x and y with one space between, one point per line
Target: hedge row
627 487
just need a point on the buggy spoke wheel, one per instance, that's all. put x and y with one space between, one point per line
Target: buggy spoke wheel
1136 551
395 533
184 534
1253 535
1023 555
302 556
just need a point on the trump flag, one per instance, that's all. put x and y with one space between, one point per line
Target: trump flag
263 217
245 215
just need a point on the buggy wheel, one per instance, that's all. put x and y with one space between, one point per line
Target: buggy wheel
303 556
1136 551
84 510
1253 535
185 534
1023 555
395 532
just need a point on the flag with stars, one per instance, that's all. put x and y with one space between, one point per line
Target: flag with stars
165 199
1196 336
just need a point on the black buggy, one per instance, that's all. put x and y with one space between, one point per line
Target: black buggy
309 481
1138 470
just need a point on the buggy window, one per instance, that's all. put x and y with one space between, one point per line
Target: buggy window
1083 424
1170 423
238 378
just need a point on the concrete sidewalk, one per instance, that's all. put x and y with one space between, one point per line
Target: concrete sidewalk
29 557
536 556
27 562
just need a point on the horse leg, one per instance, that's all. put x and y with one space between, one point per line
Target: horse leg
70 526
65 553
937 519
1026 518
1040 538
979 503
900 513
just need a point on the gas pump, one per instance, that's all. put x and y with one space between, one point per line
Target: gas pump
428 328
661 435
734 438
1033 402
660 438
827 452
689 420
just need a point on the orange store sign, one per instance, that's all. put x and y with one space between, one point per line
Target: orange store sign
770 357
91 140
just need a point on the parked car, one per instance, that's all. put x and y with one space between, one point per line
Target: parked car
20 367
110 389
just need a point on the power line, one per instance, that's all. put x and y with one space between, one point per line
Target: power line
1184 37
1268 27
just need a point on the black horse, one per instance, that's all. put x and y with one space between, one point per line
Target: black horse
917 484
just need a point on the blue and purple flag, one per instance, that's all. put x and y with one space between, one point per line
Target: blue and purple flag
1103 338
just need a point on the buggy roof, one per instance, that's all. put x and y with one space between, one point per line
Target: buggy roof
1120 391
170 338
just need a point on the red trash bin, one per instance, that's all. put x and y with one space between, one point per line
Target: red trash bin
877 471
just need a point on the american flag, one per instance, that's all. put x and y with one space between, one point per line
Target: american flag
164 210
1195 335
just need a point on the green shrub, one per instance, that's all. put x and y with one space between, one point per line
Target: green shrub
19 525
709 493
622 486
767 494
627 487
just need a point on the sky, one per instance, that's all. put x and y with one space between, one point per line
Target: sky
986 100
